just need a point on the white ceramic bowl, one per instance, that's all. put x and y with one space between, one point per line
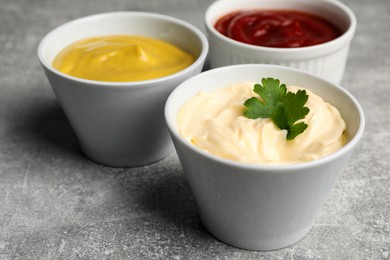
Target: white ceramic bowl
120 124
255 206
327 60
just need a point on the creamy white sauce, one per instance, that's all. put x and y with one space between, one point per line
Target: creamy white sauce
214 122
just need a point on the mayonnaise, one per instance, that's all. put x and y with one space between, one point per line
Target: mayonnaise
121 58
215 123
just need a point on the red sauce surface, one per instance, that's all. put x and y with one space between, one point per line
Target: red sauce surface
277 28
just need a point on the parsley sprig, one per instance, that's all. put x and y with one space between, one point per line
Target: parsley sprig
284 108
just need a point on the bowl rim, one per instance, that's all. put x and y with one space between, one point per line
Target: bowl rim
133 84
333 44
171 123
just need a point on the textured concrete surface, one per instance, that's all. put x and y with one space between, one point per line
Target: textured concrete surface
57 204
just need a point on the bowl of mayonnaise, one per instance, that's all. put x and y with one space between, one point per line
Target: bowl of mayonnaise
261 147
112 73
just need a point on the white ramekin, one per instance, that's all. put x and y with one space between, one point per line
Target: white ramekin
327 60
120 123
255 206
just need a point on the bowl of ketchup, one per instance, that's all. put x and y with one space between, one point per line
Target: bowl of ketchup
311 35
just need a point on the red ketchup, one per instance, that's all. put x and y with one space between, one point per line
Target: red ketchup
277 28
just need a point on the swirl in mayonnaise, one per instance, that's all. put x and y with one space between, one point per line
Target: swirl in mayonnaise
214 122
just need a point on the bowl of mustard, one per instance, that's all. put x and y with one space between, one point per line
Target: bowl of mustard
112 74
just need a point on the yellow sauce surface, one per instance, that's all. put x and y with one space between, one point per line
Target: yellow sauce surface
121 58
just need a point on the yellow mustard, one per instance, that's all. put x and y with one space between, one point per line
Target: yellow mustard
121 58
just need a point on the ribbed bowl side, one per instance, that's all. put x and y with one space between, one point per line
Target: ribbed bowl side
330 66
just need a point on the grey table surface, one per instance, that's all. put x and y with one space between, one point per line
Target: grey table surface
57 204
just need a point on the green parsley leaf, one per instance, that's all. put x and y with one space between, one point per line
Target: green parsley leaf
271 92
282 107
